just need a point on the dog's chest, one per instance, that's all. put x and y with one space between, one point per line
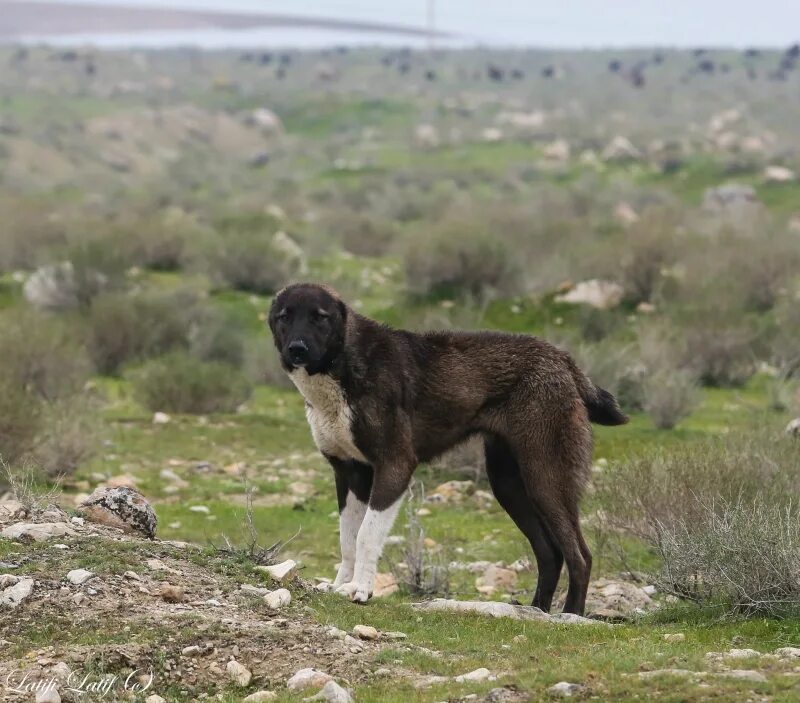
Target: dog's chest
328 414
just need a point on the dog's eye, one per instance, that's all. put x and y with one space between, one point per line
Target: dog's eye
319 315
283 315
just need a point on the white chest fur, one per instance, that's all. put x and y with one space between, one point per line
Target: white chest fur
328 414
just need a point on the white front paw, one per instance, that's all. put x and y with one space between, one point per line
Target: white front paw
354 591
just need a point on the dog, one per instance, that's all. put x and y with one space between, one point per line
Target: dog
379 401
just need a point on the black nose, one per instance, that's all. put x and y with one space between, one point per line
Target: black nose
298 351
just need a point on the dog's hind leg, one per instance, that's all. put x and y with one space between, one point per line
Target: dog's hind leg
509 489
353 486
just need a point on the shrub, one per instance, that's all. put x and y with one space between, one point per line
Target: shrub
124 328
216 337
19 421
182 383
69 438
668 396
720 353
364 235
457 258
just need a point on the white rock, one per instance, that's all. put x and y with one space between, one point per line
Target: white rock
779 174
426 136
280 572
620 149
308 678
48 695
260 697
788 652
255 590
332 692
595 293
481 674
657 673
743 675
503 610
742 654
365 632
13 595
565 689
204 509
79 576
238 673
160 418
793 428
191 650
36 532
674 637
154 699
278 599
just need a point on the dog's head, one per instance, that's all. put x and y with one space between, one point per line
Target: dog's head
308 326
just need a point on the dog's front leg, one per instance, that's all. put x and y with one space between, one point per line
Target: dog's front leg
385 500
351 516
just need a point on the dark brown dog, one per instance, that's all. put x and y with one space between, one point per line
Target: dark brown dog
380 401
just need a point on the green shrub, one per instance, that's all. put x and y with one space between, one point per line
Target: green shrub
669 396
216 337
181 383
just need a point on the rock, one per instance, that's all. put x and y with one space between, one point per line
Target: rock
481 674
266 120
620 149
496 578
658 673
332 692
625 214
260 697
238 673
675 637
731 196
788 652
394 635
385 585
501 610
743 675
793 428
48 695
15 594
122 507
308 678
203 509
596 293
278 599
154 699
492 135
557 151
427 681
280 572
779 174
365 632
451 491
741 654
255 590
191 650
292 252
160 418
172 594
564 689
426 136
258 159
11 510
37 531
612 599
79 576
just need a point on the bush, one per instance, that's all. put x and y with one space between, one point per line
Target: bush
363 235
182 383
124 328
668 396
720 354
721 515
216 337
458 258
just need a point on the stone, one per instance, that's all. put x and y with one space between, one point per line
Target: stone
427 681
280 572
743 675
496 578
11 509
160 418
308 678
122 507
482 674
37 531
394 635
172 594
191 650
492 135
596 293
365 632
154 699
260 697
625 214
793 428
730 196
501 610
332 692
52 287
620 149
788 652
79 576
742 654
385 585
238 673
557 151
452 491
48 695
426 136
779 174
266 120
278 599
16 593
565 689
255 590
674 637
658 673
612 599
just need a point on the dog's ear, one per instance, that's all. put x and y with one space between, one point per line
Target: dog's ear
342 310
273 313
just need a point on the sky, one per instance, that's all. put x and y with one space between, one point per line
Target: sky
557 23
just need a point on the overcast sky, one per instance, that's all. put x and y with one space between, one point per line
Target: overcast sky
567 23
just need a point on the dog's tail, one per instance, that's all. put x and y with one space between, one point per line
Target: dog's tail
601 405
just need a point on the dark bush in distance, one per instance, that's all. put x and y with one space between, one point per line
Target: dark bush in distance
181 383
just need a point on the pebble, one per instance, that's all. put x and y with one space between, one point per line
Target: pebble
13 595
48 695
481 674
565 689
332 692
307 678
79 576
260 697
191 650
675 637
160 418
744 675
278 599
238 673
154 699
788 652
280 572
